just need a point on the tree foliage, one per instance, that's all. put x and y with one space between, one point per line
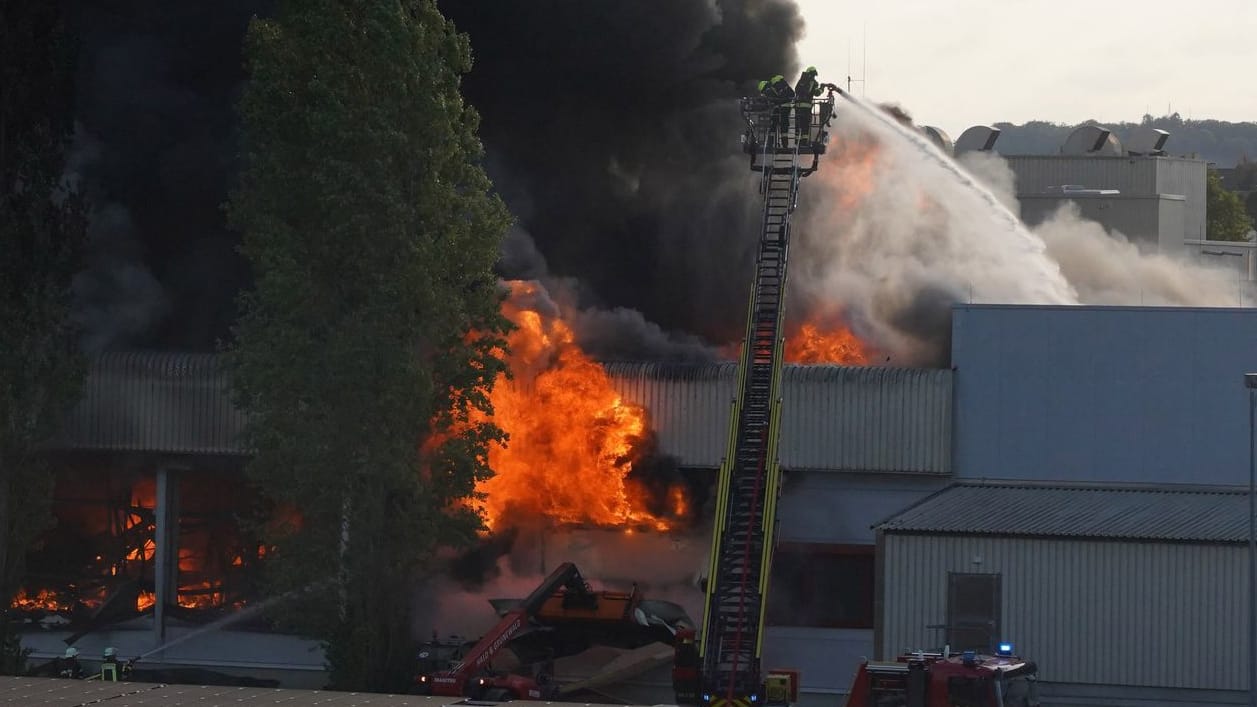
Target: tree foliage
42 230
1225 216
1218 141
367 349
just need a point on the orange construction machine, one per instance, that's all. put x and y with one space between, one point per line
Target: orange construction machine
562 616
471 674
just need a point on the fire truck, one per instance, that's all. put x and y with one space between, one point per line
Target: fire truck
969 679
720 667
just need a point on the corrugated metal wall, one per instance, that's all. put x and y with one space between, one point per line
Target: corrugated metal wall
157 402
835 418
1186 177
1035 173
1133 176
1152 221
1103 613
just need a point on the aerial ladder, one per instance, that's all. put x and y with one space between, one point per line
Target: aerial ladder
721 667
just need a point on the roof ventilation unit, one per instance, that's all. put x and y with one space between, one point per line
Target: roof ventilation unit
979 138
1091 140
1147 141
940 138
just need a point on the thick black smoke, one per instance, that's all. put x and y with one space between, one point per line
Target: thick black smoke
155 153
611 129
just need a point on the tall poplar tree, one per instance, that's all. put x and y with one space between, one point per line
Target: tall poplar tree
42 231
367 348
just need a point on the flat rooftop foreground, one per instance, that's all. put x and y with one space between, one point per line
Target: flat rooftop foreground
72 693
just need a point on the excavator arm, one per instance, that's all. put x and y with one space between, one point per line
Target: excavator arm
455 681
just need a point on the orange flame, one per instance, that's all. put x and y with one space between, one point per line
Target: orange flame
146 552
145 601
836 344
45 599
202 595
572 436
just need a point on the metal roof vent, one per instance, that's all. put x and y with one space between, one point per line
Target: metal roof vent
938 137
1147 140
1091 140
979 138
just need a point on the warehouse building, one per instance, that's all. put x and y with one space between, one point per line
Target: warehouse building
1105 396
153 446
1122 595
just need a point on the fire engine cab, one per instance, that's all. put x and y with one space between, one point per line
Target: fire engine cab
968 679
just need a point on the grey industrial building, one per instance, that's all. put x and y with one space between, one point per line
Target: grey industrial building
1045 410
1157 202
1139 190
1125 595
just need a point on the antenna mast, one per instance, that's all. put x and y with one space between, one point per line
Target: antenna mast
863 62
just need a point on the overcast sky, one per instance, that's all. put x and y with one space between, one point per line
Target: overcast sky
956 63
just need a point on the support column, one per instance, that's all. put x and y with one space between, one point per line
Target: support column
166 552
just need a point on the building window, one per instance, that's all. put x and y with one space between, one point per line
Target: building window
821 586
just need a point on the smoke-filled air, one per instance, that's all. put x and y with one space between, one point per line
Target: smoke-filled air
895 231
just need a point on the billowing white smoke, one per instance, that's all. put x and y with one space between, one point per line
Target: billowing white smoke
1105 267
896 231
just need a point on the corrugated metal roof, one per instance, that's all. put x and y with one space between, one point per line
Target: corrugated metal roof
838 418
1120 513
157 402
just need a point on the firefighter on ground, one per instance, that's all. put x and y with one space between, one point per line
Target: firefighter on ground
778 92
109 665
805 90
68 666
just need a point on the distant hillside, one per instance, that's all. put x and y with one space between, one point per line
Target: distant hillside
1218 141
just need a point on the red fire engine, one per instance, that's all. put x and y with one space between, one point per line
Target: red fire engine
941 680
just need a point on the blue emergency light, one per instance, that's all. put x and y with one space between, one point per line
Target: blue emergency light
754 698
1005 649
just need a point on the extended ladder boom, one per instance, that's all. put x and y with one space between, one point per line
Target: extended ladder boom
728 656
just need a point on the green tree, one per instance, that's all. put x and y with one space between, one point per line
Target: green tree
1250 206
1225 217
368 347
42 230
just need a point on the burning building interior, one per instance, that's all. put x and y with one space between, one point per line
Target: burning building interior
150 453
98 561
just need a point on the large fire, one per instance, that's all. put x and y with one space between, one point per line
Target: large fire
572 436
823 336
820 341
